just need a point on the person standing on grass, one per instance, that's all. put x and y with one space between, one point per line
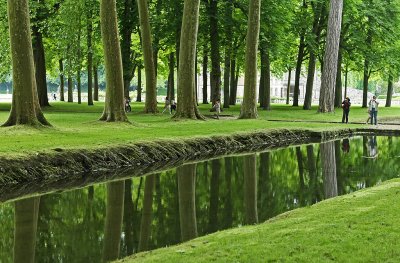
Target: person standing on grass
346 109
373 108
167 106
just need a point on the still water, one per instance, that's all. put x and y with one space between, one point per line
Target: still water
116 219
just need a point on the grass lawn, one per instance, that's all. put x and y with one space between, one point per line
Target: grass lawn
76 126
360 227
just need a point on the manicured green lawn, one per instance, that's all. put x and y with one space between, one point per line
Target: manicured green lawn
360 227
76 126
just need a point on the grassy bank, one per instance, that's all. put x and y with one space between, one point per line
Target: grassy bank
360 227
76 126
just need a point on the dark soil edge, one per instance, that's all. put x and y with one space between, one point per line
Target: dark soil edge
61 170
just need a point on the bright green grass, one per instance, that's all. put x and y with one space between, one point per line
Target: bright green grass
360 227
76 126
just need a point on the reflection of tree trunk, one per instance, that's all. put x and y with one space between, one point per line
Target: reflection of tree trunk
113 223
329 169
312 169
145 224
265 194
214 196
25 223
160 208
187 209
338 160
301 175
228 211
250 189
128 216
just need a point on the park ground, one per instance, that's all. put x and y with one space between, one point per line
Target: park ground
359 227
77 127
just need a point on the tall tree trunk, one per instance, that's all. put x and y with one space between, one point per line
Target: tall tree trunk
250 189
187 206
205 77
127 24
139 87
147 213
96 84
25 227
25 108
214 196
329 169
79 86
249 106
389 91
261 86
89 32
40 66
288 86
318 24
113 221
215 77
70 89
266 69
114 108
61 68
328 79
365 83
228 51
345 80
338 86
171 92
300 56
187 106
232 92
151 81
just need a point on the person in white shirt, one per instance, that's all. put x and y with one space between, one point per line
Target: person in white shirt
373 109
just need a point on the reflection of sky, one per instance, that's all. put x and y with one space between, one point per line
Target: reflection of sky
71 224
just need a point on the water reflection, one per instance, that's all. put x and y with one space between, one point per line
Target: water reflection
113 220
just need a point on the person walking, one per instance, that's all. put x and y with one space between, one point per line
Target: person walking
167 106
373 108
346 109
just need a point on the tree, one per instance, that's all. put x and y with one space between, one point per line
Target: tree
114 109
250 188
249 106
328 79
151 82
145 223
25 108
113 221
187 209
187 106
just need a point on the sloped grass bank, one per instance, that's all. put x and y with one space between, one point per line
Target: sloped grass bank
360 227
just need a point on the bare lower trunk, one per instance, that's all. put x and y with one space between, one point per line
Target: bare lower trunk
96 84
70 89
249 106
139 87
232 92
338 86
89 32
288 86
328 78
114 109
227 71
187 106
25 108
205 77
215 77
61 68
300 56
365 83
171 77
40 67
389 91
187 206
151 81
